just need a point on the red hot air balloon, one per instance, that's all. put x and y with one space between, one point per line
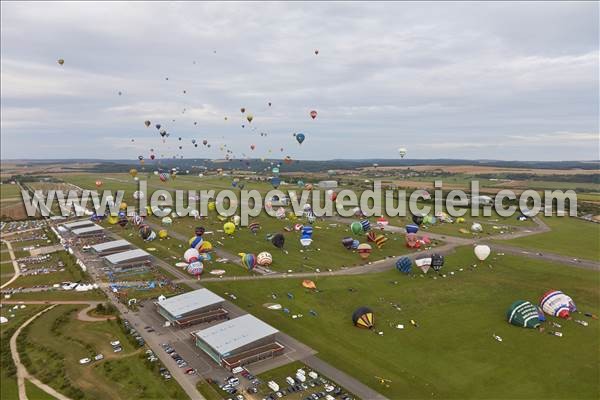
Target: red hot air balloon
152 156
252 146
313 114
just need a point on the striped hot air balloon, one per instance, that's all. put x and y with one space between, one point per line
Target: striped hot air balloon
248 260
380 241
371 236
382 222
195 268
524 314
363 317
264 259
364 250
437 262
195 242
254 227
558 304
404 265
366 225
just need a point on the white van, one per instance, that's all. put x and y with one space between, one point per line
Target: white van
290 380
313 375
273 386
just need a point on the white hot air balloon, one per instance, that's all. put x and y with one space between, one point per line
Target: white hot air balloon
402 151
482 251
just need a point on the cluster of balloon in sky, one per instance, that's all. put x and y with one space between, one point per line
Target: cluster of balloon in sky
174 148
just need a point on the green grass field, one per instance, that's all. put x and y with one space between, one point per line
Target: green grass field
57 295
452 353
56 341
569 236
35 393
8 191
8 379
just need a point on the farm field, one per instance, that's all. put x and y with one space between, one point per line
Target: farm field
56 341
568 236
452 353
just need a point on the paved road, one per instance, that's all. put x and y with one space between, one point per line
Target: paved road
22 373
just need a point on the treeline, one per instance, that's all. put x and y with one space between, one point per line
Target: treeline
578 178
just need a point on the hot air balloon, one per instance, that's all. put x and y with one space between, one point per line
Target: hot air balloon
364 250
476 227
278 240
371 236
437 262
133 172
363 317
249 117
145 231
300 137
205 247
411 228
163 234
316 52
382 222
482 251
275 181
366 225
254 227
248 260
404 265
252 147
347 243
313 114
243 110
524 314
147 123
402 152
163 176
195 242
558 304
113 219
138 195
191 255
380 241
423 262
264 259
123 221
98 183
308 284
306 238
166 221
196 268
199 231
60 61
356 228
417 219
229 228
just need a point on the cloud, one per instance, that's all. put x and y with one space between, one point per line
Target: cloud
462 79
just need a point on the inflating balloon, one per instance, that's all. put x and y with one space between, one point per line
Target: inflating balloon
404 265
363 318
229 228
264 259
482 251
278 240
364 250
524 314
557 304
356 228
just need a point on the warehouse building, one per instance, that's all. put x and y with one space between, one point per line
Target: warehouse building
112 247
78 224
193 307
88 231
127 259
239 341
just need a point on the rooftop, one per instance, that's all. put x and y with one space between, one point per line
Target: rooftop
129 255
190 301
78 224
228 336
114 244
88 229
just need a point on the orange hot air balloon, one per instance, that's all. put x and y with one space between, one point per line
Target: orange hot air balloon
313 114
98 183
307 283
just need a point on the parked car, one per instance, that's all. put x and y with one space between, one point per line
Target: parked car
84 361
99 357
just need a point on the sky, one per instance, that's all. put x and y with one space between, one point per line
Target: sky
506 80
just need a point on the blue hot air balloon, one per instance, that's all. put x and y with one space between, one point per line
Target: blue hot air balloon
404 265
300 137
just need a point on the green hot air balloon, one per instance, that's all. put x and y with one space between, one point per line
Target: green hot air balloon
524 314
356 228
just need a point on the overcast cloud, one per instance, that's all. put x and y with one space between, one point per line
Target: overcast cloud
466 80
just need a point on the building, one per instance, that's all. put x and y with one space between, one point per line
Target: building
127 259
239 341
112 247
88 231
193 307
327 184
78 224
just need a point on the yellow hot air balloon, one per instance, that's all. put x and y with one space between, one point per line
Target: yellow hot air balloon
113 219
123 206
133 172
229 228
250 117
211 206
163 234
